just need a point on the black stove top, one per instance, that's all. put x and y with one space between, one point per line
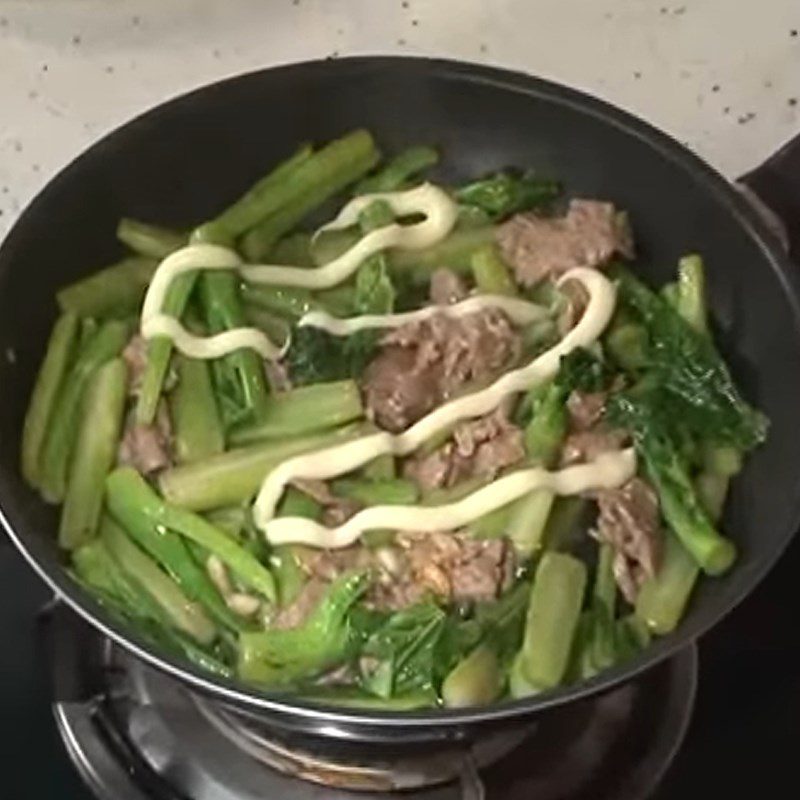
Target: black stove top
745 725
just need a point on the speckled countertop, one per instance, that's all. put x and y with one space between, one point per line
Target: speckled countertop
723 77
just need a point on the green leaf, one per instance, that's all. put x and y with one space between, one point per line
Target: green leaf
506 193
401 654
375 293
278 657
653 422
694 379
316 356
582 371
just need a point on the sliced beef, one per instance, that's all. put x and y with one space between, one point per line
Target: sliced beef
588 435
147 448
321 568
391 587
452 567
629 521
457 568
479 448
398 389
446 287
423 363
327 565
439 468
588 235
393 592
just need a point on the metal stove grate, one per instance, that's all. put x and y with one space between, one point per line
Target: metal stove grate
136 734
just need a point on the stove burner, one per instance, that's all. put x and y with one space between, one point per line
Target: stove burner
136 734
442 766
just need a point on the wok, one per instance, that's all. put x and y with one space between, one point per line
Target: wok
181 162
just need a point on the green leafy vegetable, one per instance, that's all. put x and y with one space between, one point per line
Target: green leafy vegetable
691 373
492 275
298 504
159 350
303 410
552 619
663 598
375 293
60 349
97 570
631 636
309 184
528 521
233 477
643 413
293 249
404 166
548 426
595 645
454 252
148 516
114 292
57 447
147 240
401 654
316 356
287 302
419 647
289 575
95 450
692 304
384 491
502 622
506 193
579 370
378 214
627 346
476 680
178 610
222 304
279 657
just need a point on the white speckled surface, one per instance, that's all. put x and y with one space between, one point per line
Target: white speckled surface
722 76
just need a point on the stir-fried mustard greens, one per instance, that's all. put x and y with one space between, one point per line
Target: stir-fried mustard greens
442 449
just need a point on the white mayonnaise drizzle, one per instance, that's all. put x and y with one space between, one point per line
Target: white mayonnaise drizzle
426 198
343 458
433 203
607 471
155 323
440 216
521 312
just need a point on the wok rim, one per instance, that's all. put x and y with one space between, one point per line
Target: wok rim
337 721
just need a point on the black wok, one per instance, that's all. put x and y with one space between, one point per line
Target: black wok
183 161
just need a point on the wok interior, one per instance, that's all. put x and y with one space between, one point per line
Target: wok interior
186 160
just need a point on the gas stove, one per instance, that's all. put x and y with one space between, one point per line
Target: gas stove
81 719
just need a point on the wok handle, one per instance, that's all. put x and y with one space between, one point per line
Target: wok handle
776 183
